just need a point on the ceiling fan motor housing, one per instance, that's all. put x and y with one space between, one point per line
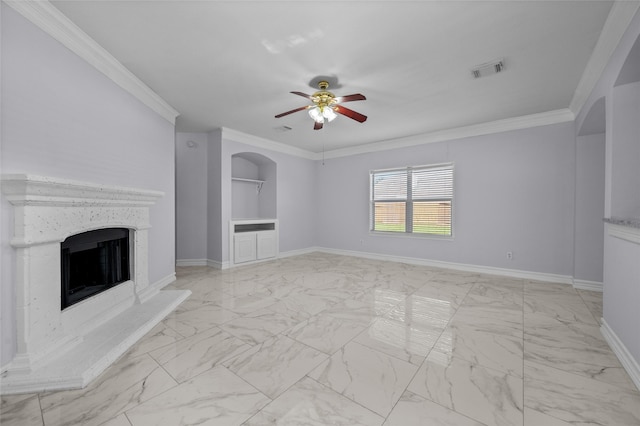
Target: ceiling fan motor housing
323 98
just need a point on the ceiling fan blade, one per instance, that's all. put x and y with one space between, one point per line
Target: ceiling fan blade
304 95
317 126
350 113
349 98
292 111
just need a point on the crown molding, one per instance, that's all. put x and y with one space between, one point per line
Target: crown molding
53 22
505 125
516 123
620 16
259 142
508 124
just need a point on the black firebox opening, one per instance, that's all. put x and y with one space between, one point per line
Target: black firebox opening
93 262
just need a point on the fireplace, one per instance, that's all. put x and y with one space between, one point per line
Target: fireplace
61 227
92 262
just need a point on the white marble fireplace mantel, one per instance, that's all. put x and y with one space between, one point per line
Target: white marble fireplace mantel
66 349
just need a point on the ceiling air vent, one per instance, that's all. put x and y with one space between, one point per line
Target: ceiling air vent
489 68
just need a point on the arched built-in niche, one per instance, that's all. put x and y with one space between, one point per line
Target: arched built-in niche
630 71
254 184
625 144
595 121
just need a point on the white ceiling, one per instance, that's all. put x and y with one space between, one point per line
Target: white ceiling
233 63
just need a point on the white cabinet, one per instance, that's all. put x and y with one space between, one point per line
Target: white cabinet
248 246
244 247
266 244
253 240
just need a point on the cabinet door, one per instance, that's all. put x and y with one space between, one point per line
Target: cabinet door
244 247
266 244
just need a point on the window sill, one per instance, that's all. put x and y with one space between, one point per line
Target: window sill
410 235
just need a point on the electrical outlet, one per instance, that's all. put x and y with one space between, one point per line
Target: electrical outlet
510 255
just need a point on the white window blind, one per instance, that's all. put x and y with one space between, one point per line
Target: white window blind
413 200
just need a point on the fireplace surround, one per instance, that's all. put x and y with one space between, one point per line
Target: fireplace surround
65 349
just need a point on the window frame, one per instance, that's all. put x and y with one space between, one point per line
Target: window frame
409 201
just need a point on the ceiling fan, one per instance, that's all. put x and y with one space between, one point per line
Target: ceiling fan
326 105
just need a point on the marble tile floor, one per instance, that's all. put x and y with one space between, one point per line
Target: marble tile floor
322 339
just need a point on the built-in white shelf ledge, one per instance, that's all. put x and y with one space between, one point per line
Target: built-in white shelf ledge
258 182
627 229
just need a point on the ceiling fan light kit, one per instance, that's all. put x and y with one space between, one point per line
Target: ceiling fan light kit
319 113
325 106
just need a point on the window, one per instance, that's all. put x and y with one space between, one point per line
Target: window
412 200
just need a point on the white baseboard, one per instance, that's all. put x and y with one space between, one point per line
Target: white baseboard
515 273
588 285
191 262
290 253
299 252
217 264
155 287
163 282
225 265
203 262
629 363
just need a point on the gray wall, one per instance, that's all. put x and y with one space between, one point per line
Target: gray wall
625 173
63 118
589 227
514 191
244 197
191 196
214 197
268 205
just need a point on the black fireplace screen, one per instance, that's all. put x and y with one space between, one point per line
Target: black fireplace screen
93 262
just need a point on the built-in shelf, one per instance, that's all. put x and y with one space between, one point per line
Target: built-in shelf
252 227
256 181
